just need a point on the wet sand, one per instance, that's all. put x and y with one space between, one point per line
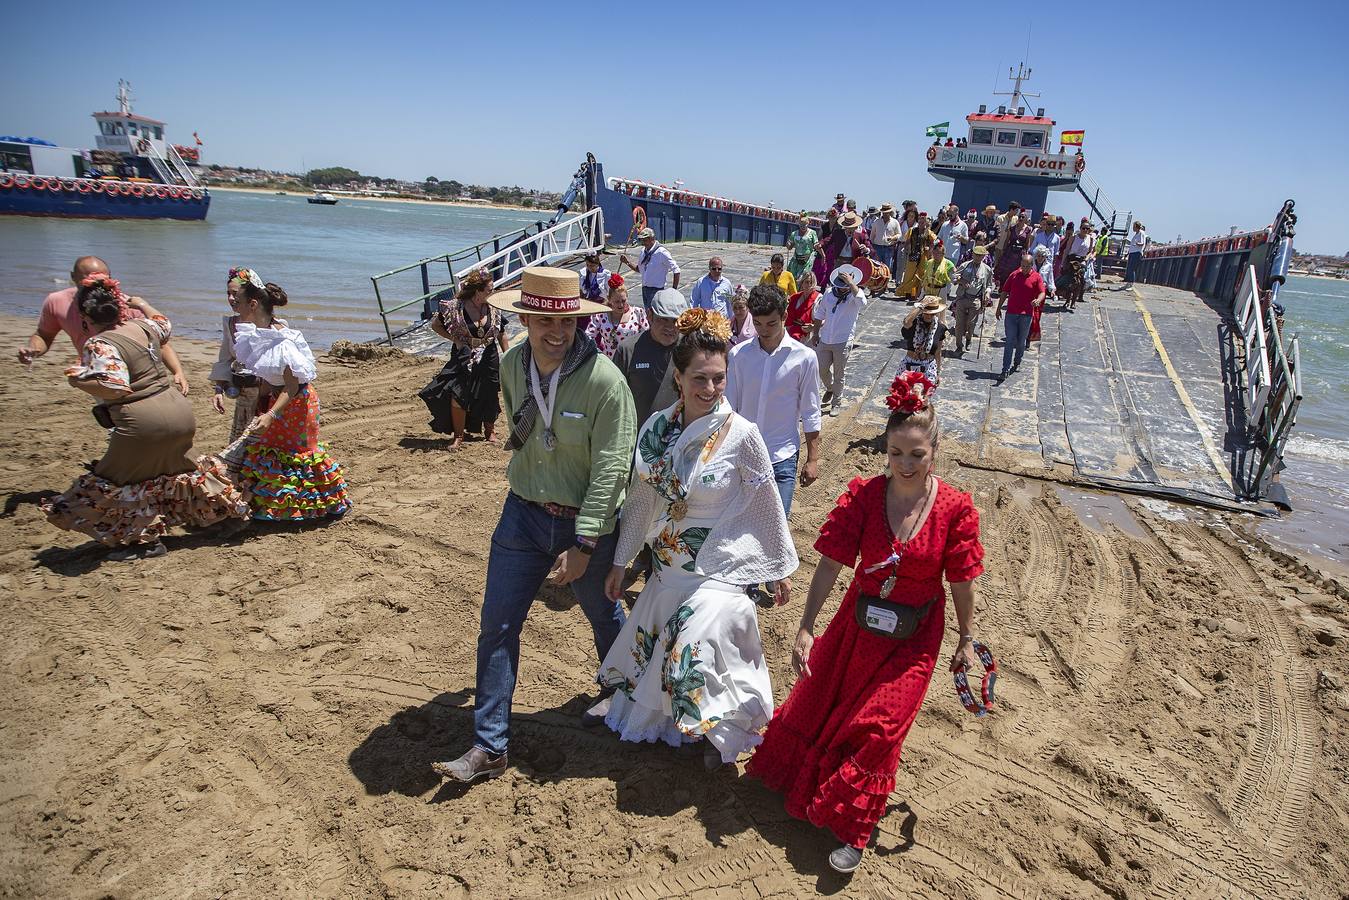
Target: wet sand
257 716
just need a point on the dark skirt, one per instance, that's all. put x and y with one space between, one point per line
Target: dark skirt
474 387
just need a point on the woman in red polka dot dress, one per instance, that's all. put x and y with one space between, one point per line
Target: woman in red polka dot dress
834 746
287 475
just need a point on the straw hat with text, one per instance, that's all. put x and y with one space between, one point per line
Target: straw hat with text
547 292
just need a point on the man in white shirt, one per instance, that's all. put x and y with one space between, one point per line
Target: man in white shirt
655 265
1046 236
954 233
774 382
885 237
834 321
713 291
1138 242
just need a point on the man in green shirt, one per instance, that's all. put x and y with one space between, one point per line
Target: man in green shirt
573 432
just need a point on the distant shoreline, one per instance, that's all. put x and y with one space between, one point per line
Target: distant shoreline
306 193
1322 277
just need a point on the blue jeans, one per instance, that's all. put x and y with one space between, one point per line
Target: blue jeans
525 545
1016 328
1131 267
886 255
784 473
649 294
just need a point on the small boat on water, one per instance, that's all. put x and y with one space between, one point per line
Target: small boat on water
322 198
134 174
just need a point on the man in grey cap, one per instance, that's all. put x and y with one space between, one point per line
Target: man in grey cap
645 358
654 265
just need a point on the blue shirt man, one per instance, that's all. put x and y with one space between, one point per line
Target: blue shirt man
713 291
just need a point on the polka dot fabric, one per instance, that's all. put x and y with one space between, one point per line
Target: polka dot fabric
288 475
834 746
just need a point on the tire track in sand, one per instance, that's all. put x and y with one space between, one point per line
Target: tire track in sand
1270 795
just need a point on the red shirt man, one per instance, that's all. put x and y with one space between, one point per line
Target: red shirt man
1022 289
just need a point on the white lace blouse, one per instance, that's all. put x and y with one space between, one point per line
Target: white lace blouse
749 542
268 352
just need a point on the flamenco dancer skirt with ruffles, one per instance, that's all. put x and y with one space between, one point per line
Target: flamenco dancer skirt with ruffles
288 476
142 512
833 748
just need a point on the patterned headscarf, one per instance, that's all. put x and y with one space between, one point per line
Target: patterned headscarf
112 285
245 276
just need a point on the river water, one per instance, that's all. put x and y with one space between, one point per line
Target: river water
324 256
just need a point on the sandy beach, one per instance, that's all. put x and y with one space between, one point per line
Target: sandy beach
257 716
305 192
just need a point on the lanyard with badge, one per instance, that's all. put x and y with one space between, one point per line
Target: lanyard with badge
546 404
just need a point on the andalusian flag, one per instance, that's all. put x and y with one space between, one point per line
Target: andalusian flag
1072 138
938 130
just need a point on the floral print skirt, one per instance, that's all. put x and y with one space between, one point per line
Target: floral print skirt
689 664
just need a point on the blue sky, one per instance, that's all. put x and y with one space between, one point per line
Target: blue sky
1194 121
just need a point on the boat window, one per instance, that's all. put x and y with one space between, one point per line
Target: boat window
1007 138
981 135
105 127
159 133
1033 139
130 127
117 128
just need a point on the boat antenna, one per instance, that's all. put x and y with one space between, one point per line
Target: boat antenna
1018 96
124 96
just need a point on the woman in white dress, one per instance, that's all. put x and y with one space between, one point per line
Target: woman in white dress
689 663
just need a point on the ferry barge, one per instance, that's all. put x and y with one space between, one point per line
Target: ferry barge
134 174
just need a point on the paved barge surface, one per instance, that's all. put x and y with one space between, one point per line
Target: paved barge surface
1126 393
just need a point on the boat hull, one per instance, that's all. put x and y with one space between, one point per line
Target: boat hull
91 204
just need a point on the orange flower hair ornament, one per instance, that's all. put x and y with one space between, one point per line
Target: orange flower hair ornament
910 392
698 319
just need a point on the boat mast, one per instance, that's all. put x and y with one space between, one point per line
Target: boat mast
1018 96
124 97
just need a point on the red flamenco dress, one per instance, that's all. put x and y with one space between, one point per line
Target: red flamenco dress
287 474
833 747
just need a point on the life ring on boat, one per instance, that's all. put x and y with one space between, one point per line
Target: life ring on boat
143 145
66 184
96 186
162 192
21 182
638 218
6 182
115 190
1080 164
136 190
39 183
931 154
82 186
197 194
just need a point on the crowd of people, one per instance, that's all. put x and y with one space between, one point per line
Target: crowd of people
662 442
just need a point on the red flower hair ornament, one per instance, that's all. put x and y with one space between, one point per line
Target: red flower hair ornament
104 280
910 392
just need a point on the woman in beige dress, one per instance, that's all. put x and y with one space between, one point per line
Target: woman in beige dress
146 482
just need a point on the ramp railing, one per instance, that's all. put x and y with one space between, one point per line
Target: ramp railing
504 256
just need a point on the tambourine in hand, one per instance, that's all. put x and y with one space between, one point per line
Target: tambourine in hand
963 691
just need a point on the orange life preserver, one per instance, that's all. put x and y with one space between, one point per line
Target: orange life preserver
21 182
39 183
65 184
931 154
6 181
143 145
96 186
162 192
1080 164
82 186
115 189
638 218
197 194
137 190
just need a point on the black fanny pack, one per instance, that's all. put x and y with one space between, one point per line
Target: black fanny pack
243 381
887 619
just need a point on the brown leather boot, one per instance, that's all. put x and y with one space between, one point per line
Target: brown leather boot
473 765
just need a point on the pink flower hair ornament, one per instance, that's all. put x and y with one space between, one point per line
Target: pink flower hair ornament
106 281
910 392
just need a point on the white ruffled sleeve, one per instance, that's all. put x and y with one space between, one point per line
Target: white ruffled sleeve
268 352
751 542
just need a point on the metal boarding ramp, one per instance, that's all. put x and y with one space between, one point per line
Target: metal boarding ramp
562 241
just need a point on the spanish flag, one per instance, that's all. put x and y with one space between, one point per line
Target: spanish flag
1071 137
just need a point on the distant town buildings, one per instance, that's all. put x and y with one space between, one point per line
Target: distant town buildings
348 182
